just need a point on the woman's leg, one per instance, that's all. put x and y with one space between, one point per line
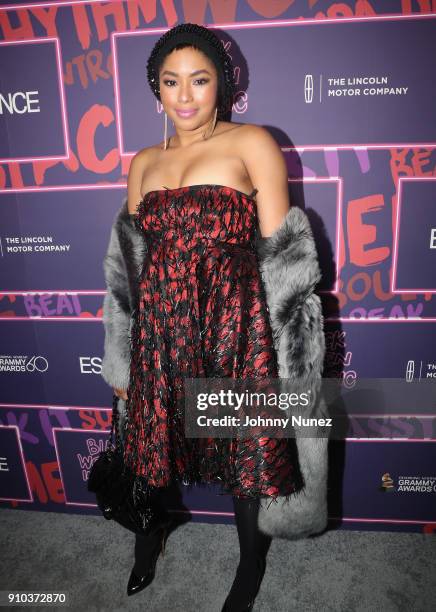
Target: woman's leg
253 547
145 546
147 550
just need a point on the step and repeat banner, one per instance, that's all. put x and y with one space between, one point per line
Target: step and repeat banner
347 89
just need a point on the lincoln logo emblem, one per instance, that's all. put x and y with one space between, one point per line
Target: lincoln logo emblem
308 88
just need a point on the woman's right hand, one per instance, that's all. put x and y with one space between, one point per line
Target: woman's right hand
121 393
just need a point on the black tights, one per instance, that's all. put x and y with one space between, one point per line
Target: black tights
253 546
252 542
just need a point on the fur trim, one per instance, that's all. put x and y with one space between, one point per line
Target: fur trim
305 512
122 267
290 271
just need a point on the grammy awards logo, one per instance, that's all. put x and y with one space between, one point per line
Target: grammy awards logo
387 485
308 88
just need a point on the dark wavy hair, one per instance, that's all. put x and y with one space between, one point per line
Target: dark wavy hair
202 39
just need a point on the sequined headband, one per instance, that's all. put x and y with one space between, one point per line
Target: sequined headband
205 40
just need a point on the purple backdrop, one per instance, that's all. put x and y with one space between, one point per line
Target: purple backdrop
347 91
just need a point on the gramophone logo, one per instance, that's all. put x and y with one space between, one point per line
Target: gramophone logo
410 370
308 88
387 485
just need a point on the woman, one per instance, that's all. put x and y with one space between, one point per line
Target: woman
199 309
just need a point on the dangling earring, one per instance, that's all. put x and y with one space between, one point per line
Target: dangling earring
166 132
213 126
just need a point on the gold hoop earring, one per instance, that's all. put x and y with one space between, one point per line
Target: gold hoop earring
213 126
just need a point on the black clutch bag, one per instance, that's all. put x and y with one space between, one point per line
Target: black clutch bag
121 496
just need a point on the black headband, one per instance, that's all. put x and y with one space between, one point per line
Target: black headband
208 42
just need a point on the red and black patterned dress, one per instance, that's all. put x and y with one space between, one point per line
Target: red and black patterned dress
201 312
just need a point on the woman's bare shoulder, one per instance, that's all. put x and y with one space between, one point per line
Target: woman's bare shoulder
141 160
250 135
234 129
138 166
147 153
250 132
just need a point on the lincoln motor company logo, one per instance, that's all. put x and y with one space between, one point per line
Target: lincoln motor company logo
308 88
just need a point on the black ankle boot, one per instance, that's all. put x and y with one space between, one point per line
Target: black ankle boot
253 545
245 588
144 570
